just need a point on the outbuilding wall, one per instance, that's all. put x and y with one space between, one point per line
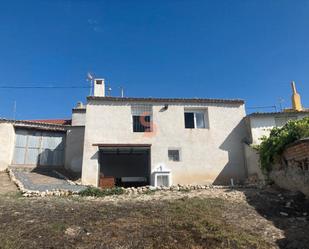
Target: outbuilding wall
253 163
7 138
211 155
74 148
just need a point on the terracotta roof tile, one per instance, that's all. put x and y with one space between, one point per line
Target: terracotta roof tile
53 121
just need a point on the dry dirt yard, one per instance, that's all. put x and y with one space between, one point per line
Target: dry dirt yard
213 218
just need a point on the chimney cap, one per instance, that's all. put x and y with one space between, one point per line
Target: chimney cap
296 99
293 86
80 104
99 87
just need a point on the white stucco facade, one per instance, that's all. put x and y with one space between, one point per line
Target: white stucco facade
208 155
7 139
79 116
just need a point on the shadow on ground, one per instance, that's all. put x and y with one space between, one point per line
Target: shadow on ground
288 211
47 171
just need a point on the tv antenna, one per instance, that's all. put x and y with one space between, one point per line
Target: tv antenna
281 101
109 91
90 78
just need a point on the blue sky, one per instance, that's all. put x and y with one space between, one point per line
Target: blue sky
249 49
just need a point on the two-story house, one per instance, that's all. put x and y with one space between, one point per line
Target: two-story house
157 141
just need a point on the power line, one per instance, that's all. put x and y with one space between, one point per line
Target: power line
261 107
44 87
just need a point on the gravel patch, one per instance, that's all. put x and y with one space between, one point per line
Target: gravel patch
44 181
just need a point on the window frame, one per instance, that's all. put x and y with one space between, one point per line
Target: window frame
204 112
179 154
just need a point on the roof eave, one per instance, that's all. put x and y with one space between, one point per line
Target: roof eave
169 100
35 125
258 114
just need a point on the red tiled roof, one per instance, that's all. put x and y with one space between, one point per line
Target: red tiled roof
53 121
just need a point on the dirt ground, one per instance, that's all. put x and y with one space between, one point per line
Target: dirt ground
212 218
6 185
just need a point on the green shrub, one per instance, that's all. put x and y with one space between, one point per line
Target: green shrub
272 147
92 191
149 192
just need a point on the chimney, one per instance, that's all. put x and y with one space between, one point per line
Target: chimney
99 88
296 101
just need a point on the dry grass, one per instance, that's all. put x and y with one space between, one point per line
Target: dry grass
183 223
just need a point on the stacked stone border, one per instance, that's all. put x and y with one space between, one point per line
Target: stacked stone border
126 191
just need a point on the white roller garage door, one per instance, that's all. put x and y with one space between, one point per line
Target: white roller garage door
34 147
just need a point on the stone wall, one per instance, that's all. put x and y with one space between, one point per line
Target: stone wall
297 154
293 174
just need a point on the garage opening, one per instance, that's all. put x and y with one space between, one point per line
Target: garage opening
124 166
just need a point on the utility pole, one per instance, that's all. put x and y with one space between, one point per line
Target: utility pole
122 91
109 91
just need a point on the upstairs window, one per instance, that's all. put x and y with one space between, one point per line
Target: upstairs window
195 119
142 118
141 124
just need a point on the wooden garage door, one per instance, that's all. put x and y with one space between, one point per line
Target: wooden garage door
34 147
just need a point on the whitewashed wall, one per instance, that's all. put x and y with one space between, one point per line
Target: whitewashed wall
253 162
78 117
211 155
7 137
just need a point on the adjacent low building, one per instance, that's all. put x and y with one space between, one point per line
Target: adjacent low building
260 124
29 144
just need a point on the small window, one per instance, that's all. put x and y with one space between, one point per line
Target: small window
173 155
195 119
